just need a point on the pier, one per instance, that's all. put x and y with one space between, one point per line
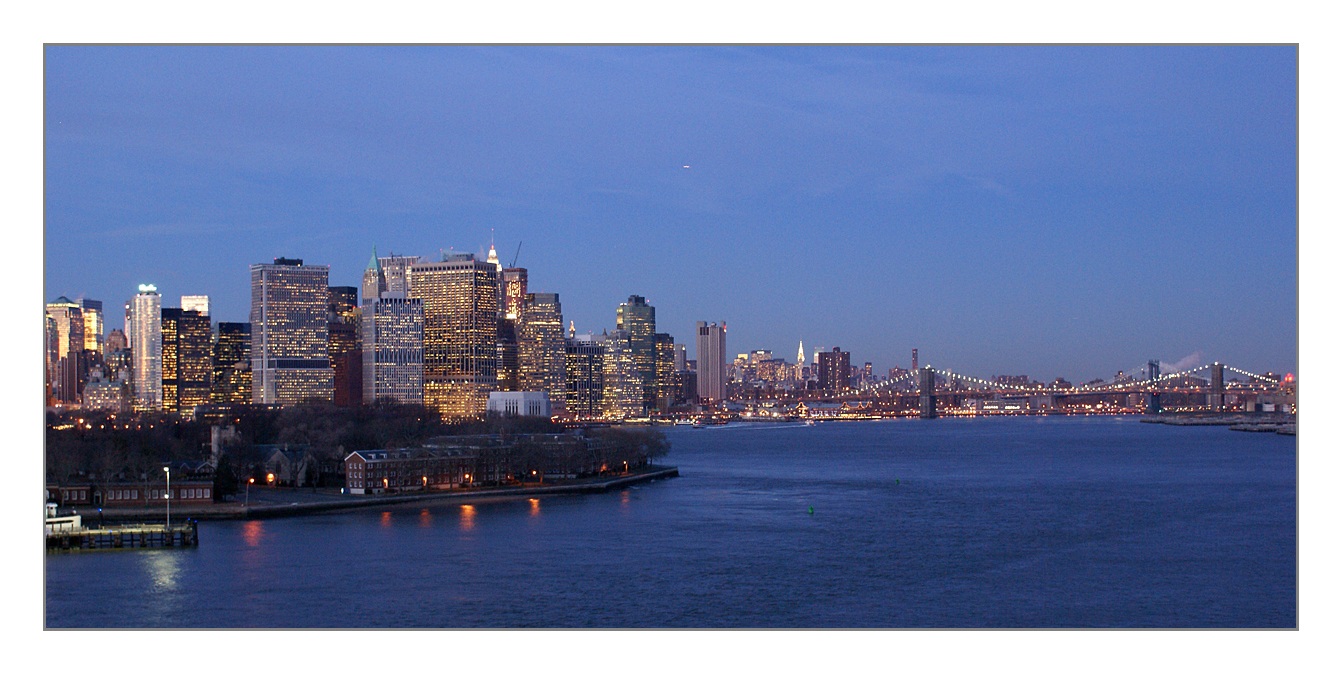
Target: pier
124 537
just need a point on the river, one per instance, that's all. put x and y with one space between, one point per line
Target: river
979 522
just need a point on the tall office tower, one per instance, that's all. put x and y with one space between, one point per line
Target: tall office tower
185 351
51 347
393 349
68 356
679 356
711 357
290 364
914 359
622 387
506 375
374 282
514 294
343 348
833 371
117 357
798 370
541 349
397 273
636 317
583 376
116 341
93 324
664 367
144 332
200 304
460 296
232 377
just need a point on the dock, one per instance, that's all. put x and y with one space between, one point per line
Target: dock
135 536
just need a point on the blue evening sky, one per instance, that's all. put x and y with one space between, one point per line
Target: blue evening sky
1048 211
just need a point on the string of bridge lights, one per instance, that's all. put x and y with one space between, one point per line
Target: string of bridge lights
890 382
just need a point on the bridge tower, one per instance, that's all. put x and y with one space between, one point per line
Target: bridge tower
928 408
1216 386
1154 403
1154 369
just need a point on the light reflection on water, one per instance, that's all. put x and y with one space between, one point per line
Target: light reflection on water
536 507
252 532
468 519
426 519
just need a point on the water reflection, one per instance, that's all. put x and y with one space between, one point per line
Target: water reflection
426 520
252 532
536 507
468 520
386 521
163 569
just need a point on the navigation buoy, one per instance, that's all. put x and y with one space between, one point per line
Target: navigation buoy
898 482
809 509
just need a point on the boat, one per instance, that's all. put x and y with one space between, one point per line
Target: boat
811 423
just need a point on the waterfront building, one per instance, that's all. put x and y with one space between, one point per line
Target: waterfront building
833 371
343 345
664 366
711 361
515 404
65 349
199 304
460 297
231 381
144 331
541 348
393 349
290 363
636 317
622 387
186 359
583 376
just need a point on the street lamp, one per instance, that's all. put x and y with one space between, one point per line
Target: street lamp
168 497
248 490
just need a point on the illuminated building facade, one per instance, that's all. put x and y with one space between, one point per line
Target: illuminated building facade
65 349
185 341
343 345
583 376
232 371
393 349
664 366
711 361
460 297
513 282
199 304
541 349
833 370
622 388
93 325
144 331
290 363
636 317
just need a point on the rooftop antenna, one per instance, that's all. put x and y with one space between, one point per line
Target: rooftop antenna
514 263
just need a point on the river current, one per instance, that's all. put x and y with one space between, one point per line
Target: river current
981 522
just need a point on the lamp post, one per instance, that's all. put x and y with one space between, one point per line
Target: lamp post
247 491
168 497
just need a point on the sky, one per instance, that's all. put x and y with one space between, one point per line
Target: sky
1048 211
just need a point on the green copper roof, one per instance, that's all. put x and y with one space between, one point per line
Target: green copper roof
373 260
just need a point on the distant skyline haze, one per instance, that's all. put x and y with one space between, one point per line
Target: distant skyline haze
1050 211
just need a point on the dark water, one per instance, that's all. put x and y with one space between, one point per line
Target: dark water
995 522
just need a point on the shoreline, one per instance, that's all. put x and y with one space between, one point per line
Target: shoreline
235 511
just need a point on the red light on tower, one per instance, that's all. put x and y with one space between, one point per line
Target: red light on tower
1289 379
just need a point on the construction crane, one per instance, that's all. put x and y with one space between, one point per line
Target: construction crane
514 263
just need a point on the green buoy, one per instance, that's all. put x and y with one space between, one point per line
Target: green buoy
898 482
809 509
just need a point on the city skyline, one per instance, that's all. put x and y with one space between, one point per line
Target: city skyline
997 208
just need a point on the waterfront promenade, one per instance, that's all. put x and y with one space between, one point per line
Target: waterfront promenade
266 501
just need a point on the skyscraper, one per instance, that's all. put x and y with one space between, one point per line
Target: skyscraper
343 345
541 348
144 331
68 340
397 273
833 371
711 361
636 317
514 285
200 304
583 376
622 389
232 364
393 349
290 363
93 324
460 296
798 370
185 349
374 282
664 366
